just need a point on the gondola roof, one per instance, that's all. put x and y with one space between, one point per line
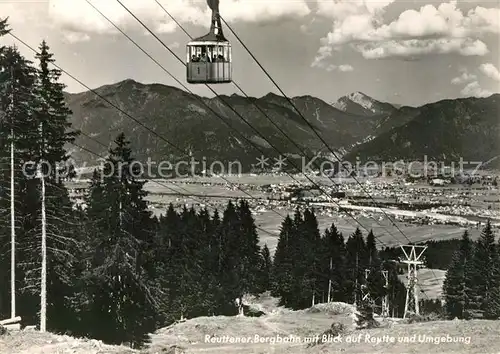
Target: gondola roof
211 37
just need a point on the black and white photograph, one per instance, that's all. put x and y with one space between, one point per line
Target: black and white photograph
249 176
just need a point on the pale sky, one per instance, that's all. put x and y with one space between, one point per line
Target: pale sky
400 51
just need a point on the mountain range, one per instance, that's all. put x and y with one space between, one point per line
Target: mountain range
180 125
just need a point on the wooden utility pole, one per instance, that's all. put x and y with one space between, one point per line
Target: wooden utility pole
120 213
364 287
330 282
356 283
43 295
12 322
12 204
413 261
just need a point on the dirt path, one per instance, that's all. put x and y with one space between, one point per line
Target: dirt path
273 326
253 347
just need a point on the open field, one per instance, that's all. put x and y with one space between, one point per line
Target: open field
214 192
384 230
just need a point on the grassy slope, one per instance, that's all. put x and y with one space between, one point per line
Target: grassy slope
300 324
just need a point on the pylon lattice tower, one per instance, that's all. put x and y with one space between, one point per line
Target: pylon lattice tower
413 261
385 299
365 294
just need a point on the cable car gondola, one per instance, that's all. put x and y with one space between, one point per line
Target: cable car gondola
209 57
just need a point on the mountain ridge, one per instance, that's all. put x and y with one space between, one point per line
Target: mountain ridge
188 122
448 130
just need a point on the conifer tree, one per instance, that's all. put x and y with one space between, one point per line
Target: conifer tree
265 270
168 226
457 278
311 257
189 259
249 251
493 310
295 294
334 263
216 223
375 282
396 291
181 263
281 274
18 103
121 307
371 248
53 113
298 219
53 118
218 293
299 294
209 255
485 273
4 29
229 270
356 264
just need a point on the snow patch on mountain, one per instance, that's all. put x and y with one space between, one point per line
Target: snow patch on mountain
359 103
341 104
363 100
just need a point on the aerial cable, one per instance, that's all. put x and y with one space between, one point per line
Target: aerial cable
214 6
149 129
239 115
310 125
156 134
264 113
315 131
188 194
136 120
188 90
